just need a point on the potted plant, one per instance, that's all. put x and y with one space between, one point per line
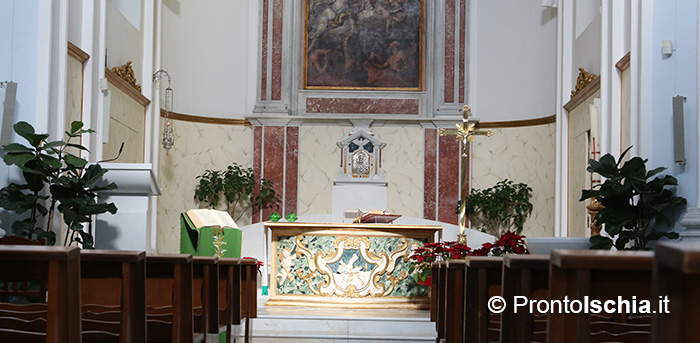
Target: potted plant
233 188
634 204
422 257
499 209
509 243
54 179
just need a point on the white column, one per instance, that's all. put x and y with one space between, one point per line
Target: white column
565 32
691 219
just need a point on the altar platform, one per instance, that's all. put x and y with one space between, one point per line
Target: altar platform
277 324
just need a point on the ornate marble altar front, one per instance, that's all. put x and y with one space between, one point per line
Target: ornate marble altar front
346 265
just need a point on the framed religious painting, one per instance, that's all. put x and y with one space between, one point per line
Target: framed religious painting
363 44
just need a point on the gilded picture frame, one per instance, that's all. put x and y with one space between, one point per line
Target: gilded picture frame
363 45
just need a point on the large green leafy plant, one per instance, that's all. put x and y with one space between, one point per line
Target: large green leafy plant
501 208
54 179
633 202
233 188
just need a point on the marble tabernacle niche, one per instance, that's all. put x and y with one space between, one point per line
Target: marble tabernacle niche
346 265
361 157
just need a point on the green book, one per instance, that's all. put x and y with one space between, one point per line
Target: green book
197 230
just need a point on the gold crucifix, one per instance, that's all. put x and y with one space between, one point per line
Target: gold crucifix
465 133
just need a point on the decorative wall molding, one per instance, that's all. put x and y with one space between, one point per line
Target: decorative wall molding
77 53
583 95
518 123
362 105
345 121
624 63
126 88
206 120
691 220
349 119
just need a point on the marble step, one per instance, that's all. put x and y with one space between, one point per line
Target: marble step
338 325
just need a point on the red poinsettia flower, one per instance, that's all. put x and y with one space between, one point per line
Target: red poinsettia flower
426 283
258 264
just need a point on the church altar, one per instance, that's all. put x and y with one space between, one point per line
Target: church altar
346 265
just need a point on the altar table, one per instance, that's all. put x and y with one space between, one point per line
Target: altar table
346 265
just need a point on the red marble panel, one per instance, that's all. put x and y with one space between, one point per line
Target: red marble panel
277 21
273 164
362 105
448 179
291 170
257 167
462 47
429 173
450 51
263 60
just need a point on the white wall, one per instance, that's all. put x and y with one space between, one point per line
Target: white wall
515 59
586 47
124 41
206 45
19 55
75 21
20 61
675 75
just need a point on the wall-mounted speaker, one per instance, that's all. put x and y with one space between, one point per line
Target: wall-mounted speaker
678 133
8 112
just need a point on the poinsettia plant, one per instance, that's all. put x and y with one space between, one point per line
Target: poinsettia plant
258 263
509 243
422 257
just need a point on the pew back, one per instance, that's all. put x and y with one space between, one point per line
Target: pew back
604 275
113 284
169 298
525 276
677 277
59 314
206 295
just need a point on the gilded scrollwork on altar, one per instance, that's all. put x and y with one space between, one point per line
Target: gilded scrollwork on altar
352 270
344 266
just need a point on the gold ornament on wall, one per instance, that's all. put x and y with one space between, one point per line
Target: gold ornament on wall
126 72
584 79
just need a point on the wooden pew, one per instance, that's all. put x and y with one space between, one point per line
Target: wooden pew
454 300
483 280
58 310
169 299
113 295
17 240
249 294
528 276
438 298
677 275
206 297
237 295
599 275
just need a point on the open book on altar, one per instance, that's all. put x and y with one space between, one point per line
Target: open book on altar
211 218
198 228
376 216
